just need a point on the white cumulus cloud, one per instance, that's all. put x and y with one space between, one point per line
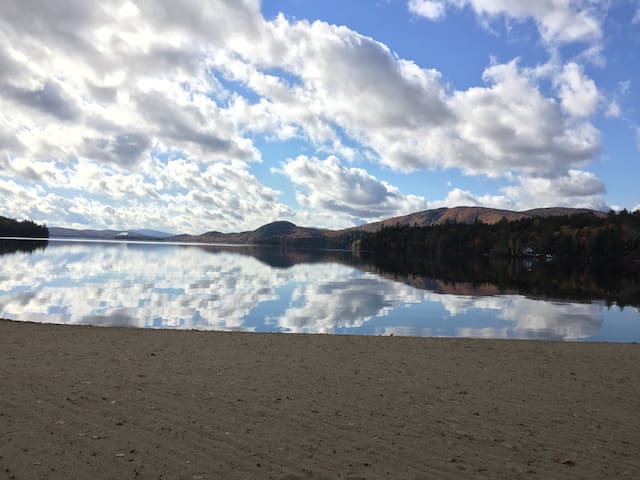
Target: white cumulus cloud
558 21
578 93
458 197
430 9
576 189
326 185
511 126
136 113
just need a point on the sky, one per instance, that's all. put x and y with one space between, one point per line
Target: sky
225 115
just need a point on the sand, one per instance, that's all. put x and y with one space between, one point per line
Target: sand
87 402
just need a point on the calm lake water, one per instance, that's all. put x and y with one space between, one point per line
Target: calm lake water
272 290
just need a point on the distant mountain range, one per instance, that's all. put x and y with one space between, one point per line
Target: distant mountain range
59 232
441 216
287 233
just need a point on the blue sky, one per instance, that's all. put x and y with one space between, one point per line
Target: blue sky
226 114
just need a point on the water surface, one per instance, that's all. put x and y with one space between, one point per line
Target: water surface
271 290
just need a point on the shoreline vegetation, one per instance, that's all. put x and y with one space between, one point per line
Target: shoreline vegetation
89 402
25 228
583 236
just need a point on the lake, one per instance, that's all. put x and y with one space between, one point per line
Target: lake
159 285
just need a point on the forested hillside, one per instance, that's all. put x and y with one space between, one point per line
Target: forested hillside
25 228
581 235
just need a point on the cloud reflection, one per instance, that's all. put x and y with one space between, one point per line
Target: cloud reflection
187 287
332 304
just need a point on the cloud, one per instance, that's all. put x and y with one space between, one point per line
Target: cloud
9 141
48 98
529 318
233 19
511 126
613 110
177 196
127 94
65 23
576 189
407 118
332 92
558 21
617 98
139 111
192 124
346 301
128 66
458 197
578 94
20 167
124 149
326 185
433 10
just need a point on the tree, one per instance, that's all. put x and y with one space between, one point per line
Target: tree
25 228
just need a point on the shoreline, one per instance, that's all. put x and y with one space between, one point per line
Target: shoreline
92 402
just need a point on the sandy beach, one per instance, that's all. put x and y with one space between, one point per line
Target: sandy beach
87 402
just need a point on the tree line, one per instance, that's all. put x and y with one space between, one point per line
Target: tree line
25 228
585 236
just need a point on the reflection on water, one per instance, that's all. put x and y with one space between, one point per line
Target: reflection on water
614 283
173 286
8 245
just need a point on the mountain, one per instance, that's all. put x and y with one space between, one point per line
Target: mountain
151 233
288 234
441 216
60 232
276 233
540 233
